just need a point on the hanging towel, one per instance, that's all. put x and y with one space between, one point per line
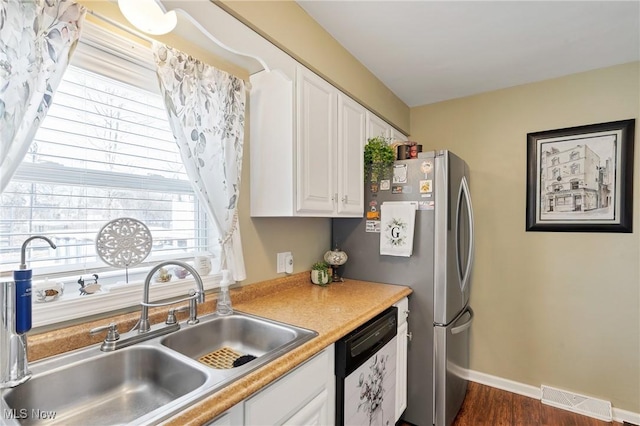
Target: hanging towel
397 221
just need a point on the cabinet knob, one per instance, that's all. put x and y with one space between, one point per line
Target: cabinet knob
345 199
409 335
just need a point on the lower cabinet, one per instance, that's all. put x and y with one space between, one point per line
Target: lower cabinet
305 396
315 413
234 416
401 357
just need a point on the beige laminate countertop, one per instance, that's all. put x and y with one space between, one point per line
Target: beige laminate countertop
331 311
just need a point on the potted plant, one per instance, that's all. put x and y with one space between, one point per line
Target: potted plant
320 273
378 158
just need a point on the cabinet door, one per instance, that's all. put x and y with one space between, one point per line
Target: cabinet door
401 360
317 129
315 413
351 138
232 417
395 135
401 370
291 393
376 126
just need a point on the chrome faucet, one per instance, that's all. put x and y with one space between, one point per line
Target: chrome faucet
14 367
195 297
142 330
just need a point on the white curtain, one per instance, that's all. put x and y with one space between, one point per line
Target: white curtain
206 112
37 38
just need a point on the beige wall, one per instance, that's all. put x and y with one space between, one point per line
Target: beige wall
560 309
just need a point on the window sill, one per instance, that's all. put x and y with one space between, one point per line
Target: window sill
112 298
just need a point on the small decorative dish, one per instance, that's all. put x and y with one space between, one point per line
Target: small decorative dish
48 292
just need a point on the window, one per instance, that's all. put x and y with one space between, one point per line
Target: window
105 150
575 168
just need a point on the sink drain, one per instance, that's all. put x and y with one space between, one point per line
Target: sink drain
221 358
225 358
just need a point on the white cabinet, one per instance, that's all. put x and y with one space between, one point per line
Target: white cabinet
317 114
315 413
232 417
351 139
306 396
306 148
401 357
376 126
395 135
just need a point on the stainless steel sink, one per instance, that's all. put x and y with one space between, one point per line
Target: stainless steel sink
116 388
223 337
148 382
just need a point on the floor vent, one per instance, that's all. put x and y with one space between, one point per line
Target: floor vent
581 404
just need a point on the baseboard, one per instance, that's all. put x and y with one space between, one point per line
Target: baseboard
535 392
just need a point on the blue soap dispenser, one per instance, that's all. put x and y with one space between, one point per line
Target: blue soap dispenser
22 279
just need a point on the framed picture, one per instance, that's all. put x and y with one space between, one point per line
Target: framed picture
580 179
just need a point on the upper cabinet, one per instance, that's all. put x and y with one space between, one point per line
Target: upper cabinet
376 126
307 141
306 150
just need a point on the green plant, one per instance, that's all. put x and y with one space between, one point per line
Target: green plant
320 273
378 158
320 266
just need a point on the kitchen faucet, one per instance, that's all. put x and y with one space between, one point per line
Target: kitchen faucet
143 330
194 297
14 367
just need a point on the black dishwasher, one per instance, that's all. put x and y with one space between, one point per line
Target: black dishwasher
366 372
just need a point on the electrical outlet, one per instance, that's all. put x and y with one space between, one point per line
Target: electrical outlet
281 266
288 263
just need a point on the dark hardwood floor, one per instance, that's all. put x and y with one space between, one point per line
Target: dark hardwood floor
487 406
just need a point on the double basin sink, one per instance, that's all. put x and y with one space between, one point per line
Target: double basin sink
150 381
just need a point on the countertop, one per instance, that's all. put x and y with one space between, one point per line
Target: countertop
331 311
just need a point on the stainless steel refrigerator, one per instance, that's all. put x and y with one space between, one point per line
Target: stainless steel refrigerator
438 270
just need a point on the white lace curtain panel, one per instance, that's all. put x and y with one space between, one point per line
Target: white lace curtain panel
37 39
206 108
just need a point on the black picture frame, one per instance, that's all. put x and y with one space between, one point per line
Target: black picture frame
580 179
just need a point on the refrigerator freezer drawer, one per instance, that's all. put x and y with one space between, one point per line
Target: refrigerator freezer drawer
451 363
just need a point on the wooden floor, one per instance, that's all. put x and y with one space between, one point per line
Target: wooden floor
487 406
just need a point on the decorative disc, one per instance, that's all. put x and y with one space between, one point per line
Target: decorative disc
123 242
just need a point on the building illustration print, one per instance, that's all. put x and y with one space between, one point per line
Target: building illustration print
577 176
580 179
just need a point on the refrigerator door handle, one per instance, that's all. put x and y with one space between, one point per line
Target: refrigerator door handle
459 329
464 192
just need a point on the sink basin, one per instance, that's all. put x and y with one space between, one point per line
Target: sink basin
216 342
116 388
148 382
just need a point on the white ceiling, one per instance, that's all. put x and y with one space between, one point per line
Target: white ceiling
430 51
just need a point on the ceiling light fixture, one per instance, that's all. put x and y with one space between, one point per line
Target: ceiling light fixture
149 16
